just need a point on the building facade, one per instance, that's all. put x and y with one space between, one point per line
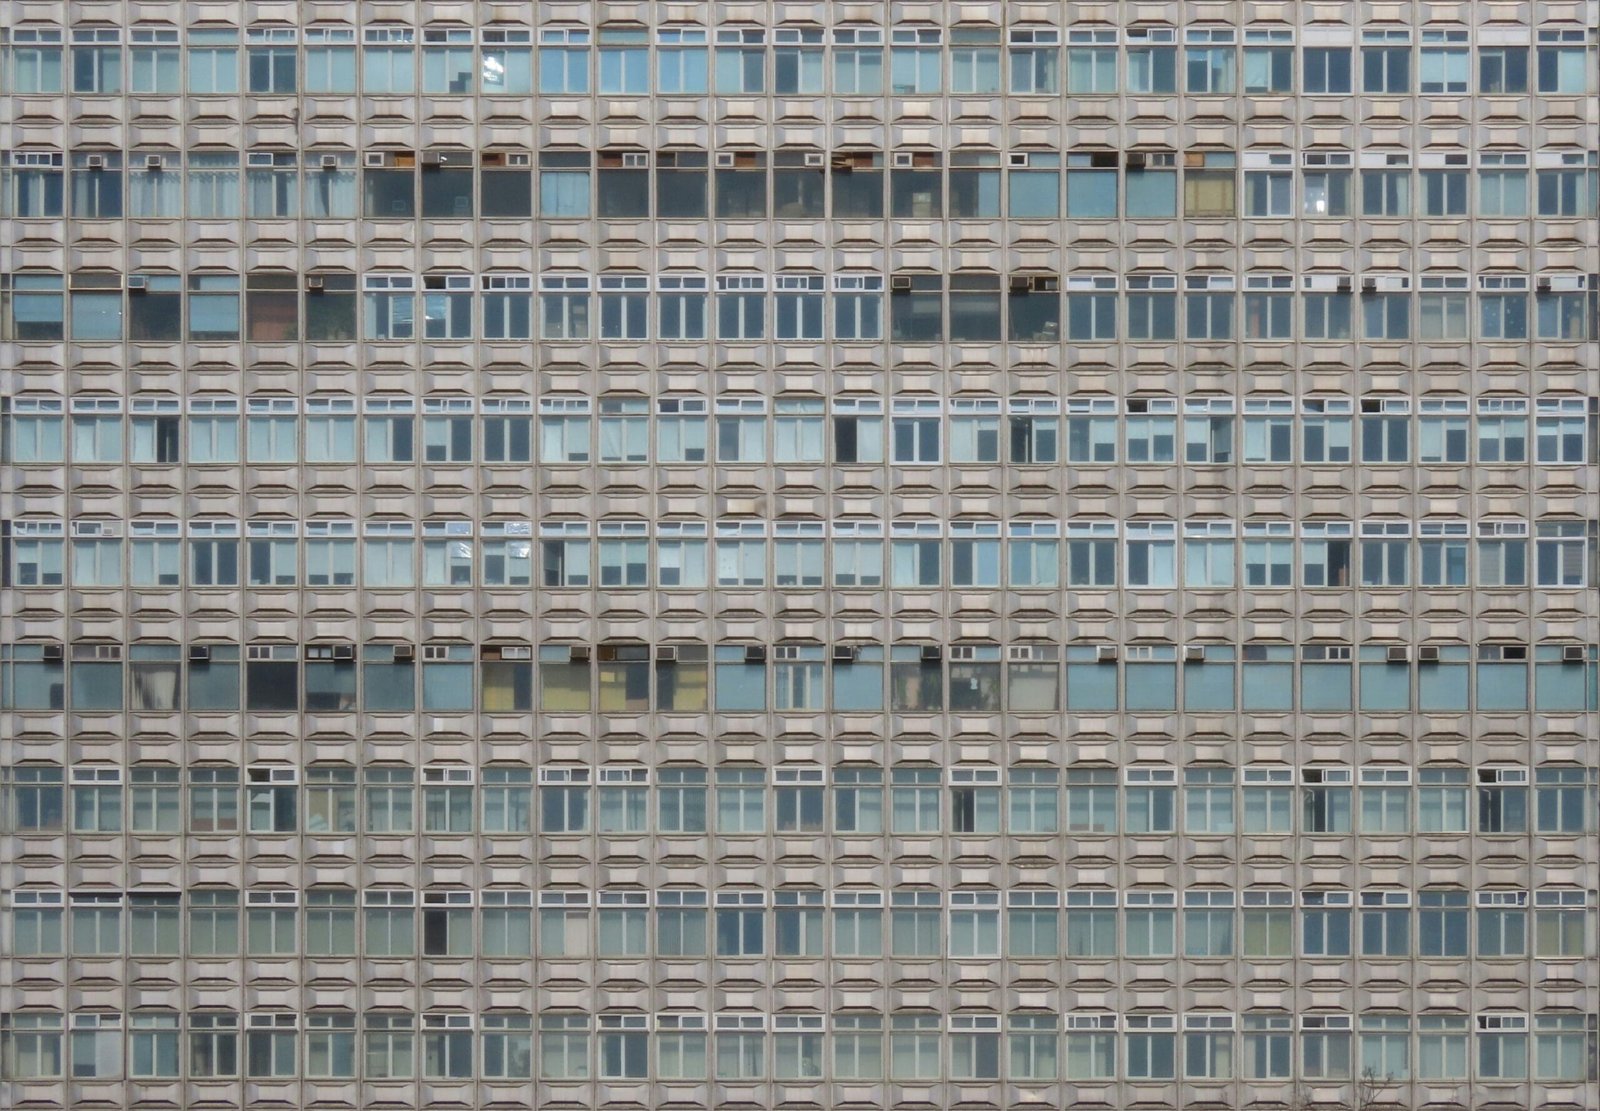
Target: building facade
791 555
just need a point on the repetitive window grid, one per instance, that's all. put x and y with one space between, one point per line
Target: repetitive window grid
873 556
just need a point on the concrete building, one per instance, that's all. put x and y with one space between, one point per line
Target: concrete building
782 555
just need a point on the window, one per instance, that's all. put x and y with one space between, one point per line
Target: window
270 70
1035 61
1152 70
1090 69
563 61
1385 924
1267 925
740 927
681 61
1325 924
740 61
1151 555
213 1044
1208 70
624 62
1502 70
1208 1047
916 60
741 308
1562 1047
331 1045
564 185
1268 1047
741 1047
740 801
507 1042
624 1047
1442 1047
36 187
1443 192
1385 801
33 62
798 308
564 430
1325 1047
388 62
1561 554
680 922
1151 1047
1444 69
330 922
1268 69
1091 924
1386 69
97 62
1503 316
272 923
797 921
1502 800
1561 69
916 555
1208 924
1267 801
1208 800
1502 1047
1208 316
974 924
330 61
95 1045
1327 71
563 1047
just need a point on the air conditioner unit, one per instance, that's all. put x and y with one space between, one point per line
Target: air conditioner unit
844 653
374 158
1017 159
54 652
153 162
1545 285
755 653
404 653
932 653
578 654
137 283
815 159
666 653
199 653
899 283
1428 653
724 160
432 160
1399 653
1021 283
95 162
1105 653
1346 283
330 161
1369 285
1134 160
1194 653
902 160
1574 654
344 651
314 283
